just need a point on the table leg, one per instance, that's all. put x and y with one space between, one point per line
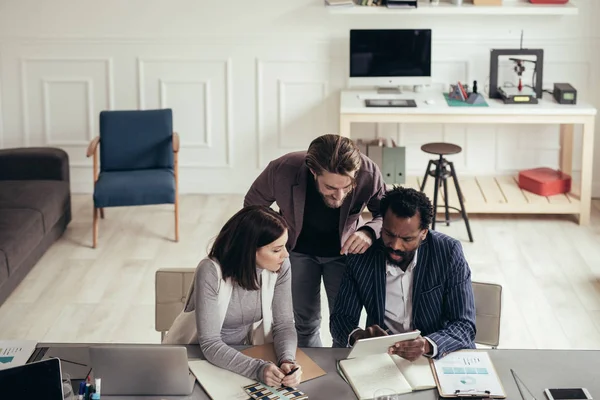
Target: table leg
587 163
566 148
345 125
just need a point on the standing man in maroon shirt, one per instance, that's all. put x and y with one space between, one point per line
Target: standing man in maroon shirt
321 193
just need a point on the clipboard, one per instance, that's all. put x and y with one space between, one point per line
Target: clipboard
467 374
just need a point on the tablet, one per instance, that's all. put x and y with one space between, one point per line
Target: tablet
380 344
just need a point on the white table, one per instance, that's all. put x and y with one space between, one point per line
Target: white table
493 194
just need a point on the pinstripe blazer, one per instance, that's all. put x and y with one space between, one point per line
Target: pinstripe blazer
443 302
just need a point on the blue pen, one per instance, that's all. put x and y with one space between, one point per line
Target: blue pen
81 390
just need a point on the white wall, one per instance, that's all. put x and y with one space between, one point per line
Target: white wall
236 71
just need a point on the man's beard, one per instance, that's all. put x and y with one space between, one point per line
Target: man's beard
327 200
407 256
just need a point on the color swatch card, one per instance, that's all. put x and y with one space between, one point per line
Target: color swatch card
260 391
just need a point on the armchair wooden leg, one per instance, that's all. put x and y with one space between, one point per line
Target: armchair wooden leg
176 176
102 213
177 219
95 227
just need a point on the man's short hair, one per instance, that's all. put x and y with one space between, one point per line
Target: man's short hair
335 154
406 202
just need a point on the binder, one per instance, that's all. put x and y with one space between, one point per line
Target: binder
390 158
468 374
394 165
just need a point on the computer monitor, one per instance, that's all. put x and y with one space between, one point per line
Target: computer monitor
390 58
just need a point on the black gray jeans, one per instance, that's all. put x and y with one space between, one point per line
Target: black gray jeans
306 292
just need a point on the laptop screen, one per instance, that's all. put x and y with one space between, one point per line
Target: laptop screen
34 381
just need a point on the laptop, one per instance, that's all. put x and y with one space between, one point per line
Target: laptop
142 370
33 381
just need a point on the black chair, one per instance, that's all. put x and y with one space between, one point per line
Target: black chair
442 169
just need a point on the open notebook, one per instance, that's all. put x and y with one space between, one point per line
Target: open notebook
368 374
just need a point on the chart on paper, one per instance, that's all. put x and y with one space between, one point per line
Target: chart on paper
15 353
468 372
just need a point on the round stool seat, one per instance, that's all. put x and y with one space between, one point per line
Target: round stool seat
441 149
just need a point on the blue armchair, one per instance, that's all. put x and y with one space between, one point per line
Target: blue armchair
138 162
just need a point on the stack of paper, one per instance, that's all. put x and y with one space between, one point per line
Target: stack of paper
219 383
15 352
339 2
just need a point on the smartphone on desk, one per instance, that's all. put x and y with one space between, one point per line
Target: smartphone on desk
568 394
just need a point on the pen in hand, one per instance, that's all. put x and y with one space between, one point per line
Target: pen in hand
290 373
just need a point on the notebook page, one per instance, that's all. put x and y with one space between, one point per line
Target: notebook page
368 374
219 383
418 373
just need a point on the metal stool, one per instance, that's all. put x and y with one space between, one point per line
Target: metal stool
442 171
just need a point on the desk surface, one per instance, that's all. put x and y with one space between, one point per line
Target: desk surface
538 369
353 102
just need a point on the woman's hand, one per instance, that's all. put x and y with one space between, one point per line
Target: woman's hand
272 375
294 379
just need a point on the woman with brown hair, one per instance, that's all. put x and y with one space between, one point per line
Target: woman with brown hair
242 295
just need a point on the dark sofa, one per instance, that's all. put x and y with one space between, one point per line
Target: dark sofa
35 209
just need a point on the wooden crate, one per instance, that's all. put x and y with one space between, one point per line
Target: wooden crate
487 2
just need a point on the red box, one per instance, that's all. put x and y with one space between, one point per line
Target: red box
544 181
549 1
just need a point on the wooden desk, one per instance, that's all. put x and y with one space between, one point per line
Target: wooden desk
494 194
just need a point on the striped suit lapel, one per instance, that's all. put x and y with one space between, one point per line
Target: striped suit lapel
379 283
420 273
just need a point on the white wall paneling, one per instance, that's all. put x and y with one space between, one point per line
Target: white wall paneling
249 85
74 125
74 116
199 92
293 102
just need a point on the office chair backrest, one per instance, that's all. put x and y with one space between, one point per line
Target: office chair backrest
138 139
172 285
488 309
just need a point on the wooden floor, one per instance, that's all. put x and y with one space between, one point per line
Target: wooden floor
549 268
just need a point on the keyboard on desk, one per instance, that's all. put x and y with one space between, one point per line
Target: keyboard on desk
390 103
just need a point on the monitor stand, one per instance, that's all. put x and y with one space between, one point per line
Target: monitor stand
389 90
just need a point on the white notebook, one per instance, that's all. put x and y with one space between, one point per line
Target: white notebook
219 383
381 371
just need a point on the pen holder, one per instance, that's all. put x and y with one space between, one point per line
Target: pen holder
67 387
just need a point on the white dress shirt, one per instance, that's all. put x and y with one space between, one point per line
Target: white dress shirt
398 299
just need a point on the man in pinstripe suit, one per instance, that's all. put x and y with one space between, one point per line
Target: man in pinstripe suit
411 278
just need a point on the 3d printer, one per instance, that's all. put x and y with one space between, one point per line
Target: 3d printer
519 93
